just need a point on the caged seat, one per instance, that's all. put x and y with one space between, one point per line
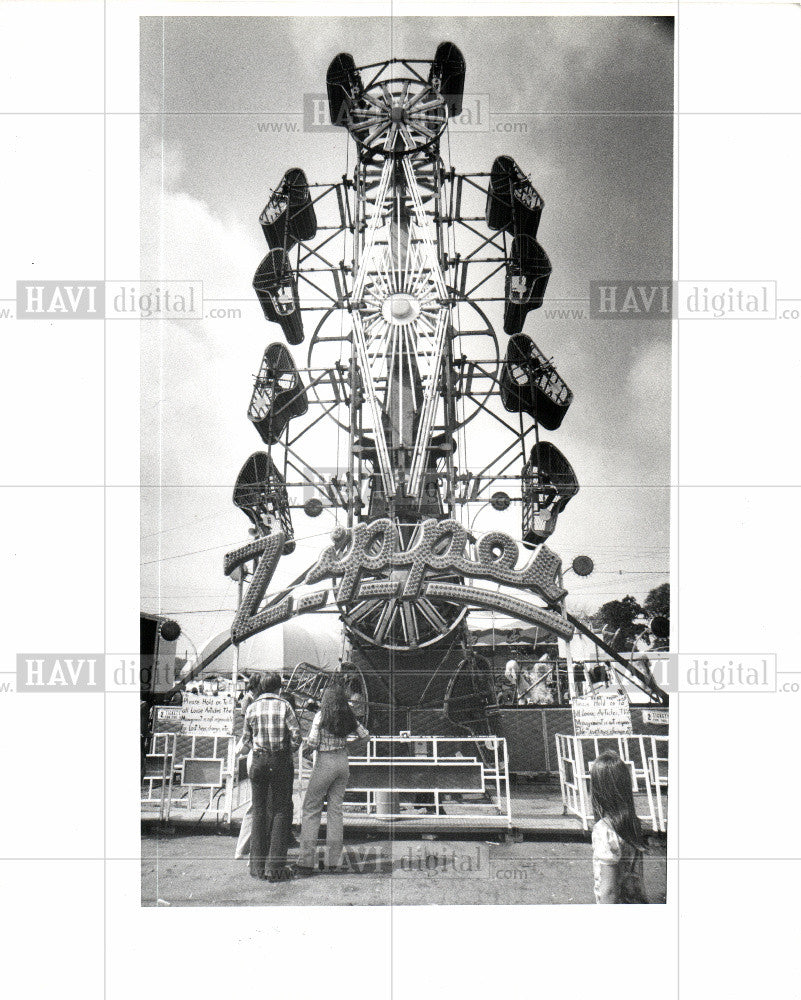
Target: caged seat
277 291
548 484
527 274
529 383
278 394
261 493
288 217
447 76
344 86
513 203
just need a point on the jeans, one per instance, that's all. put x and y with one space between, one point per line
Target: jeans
245 830
271 776
328 780
243 841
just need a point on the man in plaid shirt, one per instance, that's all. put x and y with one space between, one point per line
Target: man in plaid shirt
271 730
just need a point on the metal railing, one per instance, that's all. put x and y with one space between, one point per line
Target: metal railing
487 756
647 756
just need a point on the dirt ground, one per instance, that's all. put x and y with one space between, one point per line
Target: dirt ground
185 869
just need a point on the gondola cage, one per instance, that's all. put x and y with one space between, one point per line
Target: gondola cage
447 76
288 217
513 203
260 492
277 291
529 383
527 275
548 484
344 86
278 394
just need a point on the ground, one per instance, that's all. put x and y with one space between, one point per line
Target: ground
197 869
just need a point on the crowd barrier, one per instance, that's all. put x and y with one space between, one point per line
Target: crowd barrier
647 756
451 776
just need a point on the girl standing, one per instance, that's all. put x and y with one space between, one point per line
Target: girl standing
617 840
242 851
333 728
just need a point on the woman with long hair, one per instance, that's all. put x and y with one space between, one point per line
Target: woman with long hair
617 840
334 726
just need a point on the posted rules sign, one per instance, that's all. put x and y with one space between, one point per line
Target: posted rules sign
207 715
602 715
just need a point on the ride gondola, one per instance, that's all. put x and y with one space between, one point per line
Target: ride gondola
277 291
548 485
513 204
260 492
278 394
527 273
288 217
344 86
529 383
447 76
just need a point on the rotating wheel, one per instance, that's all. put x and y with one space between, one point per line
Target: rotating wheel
401 116
473 340
393 623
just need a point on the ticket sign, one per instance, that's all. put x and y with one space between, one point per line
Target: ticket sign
207 715
168 719
602 715
655 717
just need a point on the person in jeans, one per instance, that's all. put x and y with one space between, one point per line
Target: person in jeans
242 851
271 730
334 726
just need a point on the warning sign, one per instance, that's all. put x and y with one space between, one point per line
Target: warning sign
602 715
207 715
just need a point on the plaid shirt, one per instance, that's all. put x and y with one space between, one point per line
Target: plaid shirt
270 724
320 739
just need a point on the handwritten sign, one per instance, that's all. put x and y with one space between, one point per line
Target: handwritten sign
601 715
207 715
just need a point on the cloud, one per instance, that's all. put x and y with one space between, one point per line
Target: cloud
182 237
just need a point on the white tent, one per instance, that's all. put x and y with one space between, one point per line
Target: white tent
314 639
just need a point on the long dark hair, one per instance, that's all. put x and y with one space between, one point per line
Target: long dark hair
337 715
612 797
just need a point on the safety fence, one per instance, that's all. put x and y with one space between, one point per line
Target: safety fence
180 769
647 757
455 780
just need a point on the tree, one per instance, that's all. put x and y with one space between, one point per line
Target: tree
615 619
617 614
658 601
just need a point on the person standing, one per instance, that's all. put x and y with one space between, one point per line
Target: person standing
243 841
334 726
271 730
617 839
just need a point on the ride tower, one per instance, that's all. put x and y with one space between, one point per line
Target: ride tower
383 274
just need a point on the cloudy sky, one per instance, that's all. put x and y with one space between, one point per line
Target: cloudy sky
596 97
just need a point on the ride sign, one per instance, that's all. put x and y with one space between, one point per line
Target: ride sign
368 565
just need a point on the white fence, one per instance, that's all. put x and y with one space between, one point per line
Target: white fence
180 766
452 773
647 756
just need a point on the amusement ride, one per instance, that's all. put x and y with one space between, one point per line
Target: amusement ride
376 282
